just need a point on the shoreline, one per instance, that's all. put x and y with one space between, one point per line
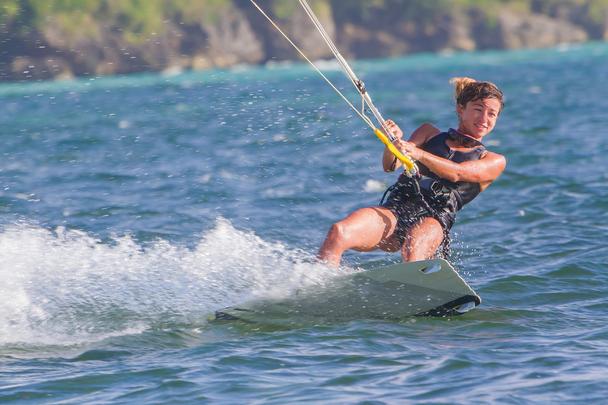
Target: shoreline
61 42
327 65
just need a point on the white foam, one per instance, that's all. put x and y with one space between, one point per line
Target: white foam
124 124
280 192
66 287
328 65
374 186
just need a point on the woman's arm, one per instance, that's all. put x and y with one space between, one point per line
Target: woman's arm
422 134
482 171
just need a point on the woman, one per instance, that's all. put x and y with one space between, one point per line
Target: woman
419 212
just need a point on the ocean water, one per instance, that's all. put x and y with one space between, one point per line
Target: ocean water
132 208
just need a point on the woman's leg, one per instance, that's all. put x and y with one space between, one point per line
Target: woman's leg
364 230
422 240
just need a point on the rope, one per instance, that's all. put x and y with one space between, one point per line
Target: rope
358 83
365 118
387 137
343 63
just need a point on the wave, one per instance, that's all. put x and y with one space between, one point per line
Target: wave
65 287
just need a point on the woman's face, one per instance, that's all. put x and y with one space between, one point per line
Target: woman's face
478 117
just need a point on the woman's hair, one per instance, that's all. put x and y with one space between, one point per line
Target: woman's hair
467 89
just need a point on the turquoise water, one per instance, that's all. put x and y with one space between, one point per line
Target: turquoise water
132 208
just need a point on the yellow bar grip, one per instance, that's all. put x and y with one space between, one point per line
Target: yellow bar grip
407 162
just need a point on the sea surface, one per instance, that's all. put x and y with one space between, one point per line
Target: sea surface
134 207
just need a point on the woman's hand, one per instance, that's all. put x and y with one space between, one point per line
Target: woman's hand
394 129
410 149
389 161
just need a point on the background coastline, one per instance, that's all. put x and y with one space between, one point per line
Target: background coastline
65 39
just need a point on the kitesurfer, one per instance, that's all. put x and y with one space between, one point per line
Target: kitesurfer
455 167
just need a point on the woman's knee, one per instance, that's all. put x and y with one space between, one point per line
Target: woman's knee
337 232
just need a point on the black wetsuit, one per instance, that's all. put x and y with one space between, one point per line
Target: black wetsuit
430 195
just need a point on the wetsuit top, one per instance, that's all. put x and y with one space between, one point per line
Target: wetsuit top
441 193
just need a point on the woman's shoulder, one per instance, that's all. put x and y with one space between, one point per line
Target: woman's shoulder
424 133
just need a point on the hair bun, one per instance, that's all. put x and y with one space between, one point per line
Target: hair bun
460 83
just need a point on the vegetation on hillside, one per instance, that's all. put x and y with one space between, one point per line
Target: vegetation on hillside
143 17
65 38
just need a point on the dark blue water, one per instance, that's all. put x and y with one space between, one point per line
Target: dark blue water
132 208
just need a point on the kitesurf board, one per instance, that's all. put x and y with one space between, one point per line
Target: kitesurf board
423 288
